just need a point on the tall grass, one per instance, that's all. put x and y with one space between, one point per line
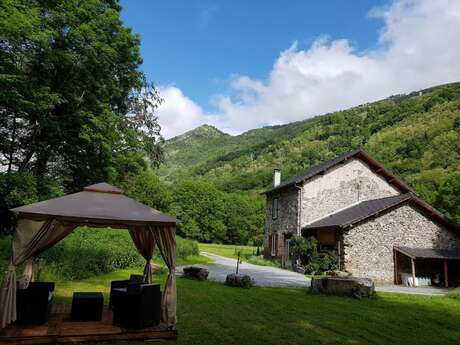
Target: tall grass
88 252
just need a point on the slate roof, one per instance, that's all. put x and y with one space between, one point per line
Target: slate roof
323 167
358 212
369 208
430 253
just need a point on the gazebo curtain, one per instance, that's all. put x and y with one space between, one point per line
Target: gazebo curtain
145 239
165 238
32 237
145 244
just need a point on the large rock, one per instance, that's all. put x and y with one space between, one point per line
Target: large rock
239 280
194 272
341 286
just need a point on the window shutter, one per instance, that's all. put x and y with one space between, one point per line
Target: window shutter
276 245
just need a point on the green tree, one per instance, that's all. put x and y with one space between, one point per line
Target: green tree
75 102
243 218
147 188
448 197
200 207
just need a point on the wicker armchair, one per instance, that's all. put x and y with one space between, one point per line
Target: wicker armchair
138 306
33 304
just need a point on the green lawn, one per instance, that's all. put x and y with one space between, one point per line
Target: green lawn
231 251
227 250
212 313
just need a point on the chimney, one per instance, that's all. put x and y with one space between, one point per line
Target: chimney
276 177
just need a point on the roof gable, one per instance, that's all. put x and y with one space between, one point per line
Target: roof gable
322 168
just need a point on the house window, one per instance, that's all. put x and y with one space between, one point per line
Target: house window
273 246
275 208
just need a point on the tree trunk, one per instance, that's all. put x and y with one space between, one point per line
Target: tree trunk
40 171
12 144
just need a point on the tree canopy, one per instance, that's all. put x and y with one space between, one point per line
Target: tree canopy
75 106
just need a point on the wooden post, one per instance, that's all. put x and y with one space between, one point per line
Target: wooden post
446 277
413 271
395 263
238 262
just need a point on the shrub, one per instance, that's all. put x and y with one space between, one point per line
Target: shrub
303 249
238 280
89 252
17 189
306 251
98 251
186 248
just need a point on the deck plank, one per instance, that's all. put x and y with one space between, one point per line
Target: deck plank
60 328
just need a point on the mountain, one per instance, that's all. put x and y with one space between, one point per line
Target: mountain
416 135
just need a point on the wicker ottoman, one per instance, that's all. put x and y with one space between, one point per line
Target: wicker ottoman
87 306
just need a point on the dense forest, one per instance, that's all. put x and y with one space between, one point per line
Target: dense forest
76 109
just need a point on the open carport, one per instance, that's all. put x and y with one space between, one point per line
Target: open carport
427 262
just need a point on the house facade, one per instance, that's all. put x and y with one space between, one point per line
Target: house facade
357 209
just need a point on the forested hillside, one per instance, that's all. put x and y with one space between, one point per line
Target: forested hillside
417 136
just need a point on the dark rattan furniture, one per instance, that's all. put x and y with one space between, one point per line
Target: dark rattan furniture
34 303
87 306
135 279
137 306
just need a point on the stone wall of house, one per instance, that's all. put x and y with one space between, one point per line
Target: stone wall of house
286 222
340 187
368 247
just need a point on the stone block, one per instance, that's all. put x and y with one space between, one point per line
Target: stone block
198 273
353 287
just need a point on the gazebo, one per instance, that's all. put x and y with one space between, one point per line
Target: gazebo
41 225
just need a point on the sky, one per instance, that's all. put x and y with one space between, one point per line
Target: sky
241 64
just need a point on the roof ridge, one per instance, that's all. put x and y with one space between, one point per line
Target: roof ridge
103 187
329 164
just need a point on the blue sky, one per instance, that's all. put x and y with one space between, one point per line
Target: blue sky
243 64
198 45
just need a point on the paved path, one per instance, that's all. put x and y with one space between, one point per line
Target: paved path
262 275
427 291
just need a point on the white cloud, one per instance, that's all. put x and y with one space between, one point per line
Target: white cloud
418 47
178 113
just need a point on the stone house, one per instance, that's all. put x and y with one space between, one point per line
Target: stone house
369 217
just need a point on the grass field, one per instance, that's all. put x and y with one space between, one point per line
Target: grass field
227 250
231 251
212 313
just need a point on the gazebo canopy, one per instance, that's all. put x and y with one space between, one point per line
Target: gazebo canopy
98 203
41 225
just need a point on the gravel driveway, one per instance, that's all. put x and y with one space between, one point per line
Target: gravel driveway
262 275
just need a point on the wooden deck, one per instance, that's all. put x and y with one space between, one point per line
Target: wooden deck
60 329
